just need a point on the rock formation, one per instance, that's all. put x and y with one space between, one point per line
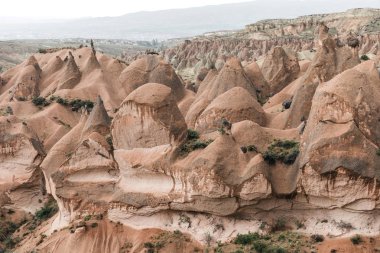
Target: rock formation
136 160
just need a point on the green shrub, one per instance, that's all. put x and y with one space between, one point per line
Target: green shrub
94 225
250 148
192 134
40 101
148 245
77 104
285 151
9 243
279 224
184 219
356 239
244 239
47 211
192 143
62 101
275 249
260 246
87 218
300 224
378 152
345 225
318 238
42 51
364 57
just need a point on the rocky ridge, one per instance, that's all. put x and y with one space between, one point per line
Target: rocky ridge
297 36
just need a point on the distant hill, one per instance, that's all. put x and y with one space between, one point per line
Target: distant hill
176 22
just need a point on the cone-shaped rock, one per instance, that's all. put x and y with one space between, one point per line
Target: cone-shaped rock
148 117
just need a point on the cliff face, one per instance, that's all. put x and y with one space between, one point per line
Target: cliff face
118 144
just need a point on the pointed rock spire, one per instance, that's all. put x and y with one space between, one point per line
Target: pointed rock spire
98 121
72 74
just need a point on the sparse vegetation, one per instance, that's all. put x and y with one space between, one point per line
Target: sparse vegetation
48 210
356 239
245 239
225 126
192 143
184 219
87 218
345 225
40 101
161 240
278 224
270 243
207 238
378 152
149 247
249 148
300 224
76 104
285 151
364 57
192 134
42 51
317 238
7 230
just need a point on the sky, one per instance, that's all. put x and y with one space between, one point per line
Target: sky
94 8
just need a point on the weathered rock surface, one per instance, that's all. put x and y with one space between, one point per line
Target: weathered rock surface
279 69
133 144
148 117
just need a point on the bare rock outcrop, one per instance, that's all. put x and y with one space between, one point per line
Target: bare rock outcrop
27 82
342 130
148 117
72 74
257 78
279 69
232 75
151 69
235 105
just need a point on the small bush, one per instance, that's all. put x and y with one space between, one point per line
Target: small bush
77 104
378 152
191 145
42 51
192 134
345 225
364 57
62 101
356 239
184 219
279 225
285 151
47 211
250 148
40 101
260 246
318 238
207 238
244 239
149 247
94 225
87 218
300 224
